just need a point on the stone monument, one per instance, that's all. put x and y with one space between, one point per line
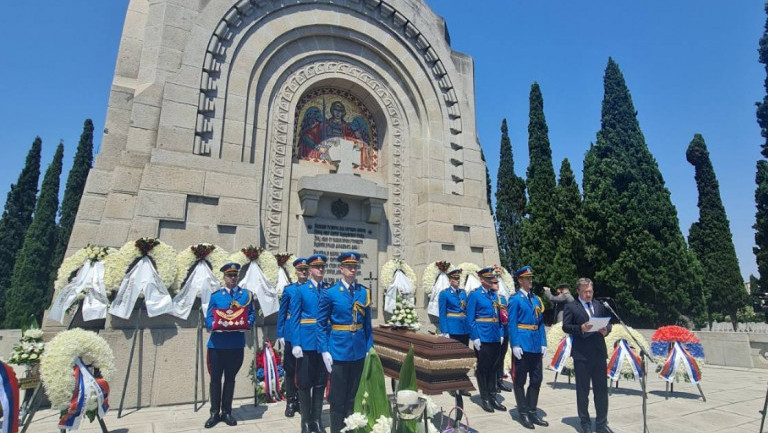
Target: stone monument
308 126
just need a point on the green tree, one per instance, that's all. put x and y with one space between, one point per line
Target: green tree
761 177
569 250
72 194
711 239
17 216
487 182
510 204
539 229
636 249
29 283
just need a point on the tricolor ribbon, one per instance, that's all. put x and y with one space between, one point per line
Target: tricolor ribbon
679 357
9 399
621 353
562 353
87 388
271 375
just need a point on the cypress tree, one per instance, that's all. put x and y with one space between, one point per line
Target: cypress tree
17 216
72 194
761 177
569 249
510 204
29 283
539 230
639 255
487 183
711 240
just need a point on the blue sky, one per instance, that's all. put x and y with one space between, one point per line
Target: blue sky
691 68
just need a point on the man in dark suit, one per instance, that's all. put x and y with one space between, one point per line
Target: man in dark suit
589 355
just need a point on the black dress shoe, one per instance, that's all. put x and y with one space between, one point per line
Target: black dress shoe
212 421
503 386
496 405
465 393
290 410
229 419
604 429
534 417
486 405
525 421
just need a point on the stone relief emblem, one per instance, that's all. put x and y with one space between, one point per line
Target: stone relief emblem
339 208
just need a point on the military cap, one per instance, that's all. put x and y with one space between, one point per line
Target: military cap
230 267
317 260
488 272
525 271
301 263
349 258
454 274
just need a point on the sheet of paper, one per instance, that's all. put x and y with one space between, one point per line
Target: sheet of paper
598 323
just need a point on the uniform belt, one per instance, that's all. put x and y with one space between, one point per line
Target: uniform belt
456 315
351 328
528 327
308 321
487 319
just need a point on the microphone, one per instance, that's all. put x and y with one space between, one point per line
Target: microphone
604 298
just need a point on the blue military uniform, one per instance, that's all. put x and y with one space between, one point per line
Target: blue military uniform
344 331
452 312
286 333
500 385
225 349
526 331
484 324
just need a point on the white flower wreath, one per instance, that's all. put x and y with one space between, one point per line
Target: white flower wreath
73 263
618 333
60 356
506 276
116 265
290 271
186 259
389 268
466 269
266 261
430 275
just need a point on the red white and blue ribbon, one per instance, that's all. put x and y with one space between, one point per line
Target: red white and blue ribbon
677 358
271 375
623 353
561 354
87 387
9 399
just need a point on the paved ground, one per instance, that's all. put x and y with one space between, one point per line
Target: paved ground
734 399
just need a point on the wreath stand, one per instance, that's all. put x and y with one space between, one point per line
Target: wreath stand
554 384
199 359
130 359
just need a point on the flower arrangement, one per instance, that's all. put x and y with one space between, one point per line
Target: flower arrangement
29 349
389 268
119 263
431 273
404 315
467 269
285 261
257 376
60 356
506 277
73 263
213 255
266 261
555 333
617 334
663 340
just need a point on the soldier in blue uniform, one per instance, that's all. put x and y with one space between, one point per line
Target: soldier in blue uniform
529 345
286 332
452 310
225 349
345 336
485 331
500 384
310 371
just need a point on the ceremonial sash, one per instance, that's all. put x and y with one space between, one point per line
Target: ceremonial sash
85 386
679 357
561 354
200 281
441 283
89 278
256 282
271 374
9 399
143 278
623 352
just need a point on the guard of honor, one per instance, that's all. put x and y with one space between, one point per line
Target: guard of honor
225 349
529 345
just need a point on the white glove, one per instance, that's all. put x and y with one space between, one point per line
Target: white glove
543 351
476 343
445 335
518 352
328 361
280 344
297 352
501 340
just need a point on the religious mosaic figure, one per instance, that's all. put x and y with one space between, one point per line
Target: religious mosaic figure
319 128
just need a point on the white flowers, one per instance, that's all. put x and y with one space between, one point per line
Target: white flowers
186 259
33 333
404 315
29 349
354 422
388 272
382 425
60 356
164 258
267 262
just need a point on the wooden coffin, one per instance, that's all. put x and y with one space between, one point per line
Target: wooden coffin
442 364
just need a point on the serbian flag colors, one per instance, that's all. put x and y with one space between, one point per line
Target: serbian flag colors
271 374
562 353
87 389
9 399
623 353
677 358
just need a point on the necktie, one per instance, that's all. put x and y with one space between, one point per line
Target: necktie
589 309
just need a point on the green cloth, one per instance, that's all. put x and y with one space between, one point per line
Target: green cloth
407 381
372 382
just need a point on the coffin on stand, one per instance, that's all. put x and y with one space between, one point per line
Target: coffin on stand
442 364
